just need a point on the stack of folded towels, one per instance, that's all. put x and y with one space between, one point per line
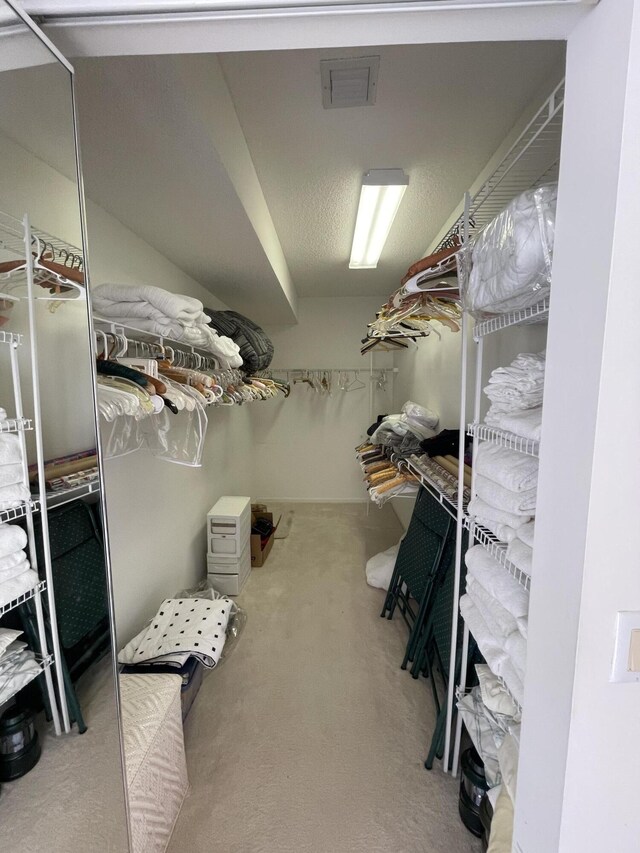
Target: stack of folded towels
496 609
505 500
516 396
170 315
13 490
16 576
18 665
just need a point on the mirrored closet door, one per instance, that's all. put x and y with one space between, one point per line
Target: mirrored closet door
61 780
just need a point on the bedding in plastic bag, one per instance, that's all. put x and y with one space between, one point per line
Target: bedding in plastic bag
237 615
380 568
507 266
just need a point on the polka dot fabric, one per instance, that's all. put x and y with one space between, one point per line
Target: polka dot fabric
195 626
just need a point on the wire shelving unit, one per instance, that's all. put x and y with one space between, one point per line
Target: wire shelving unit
497 549
538 313
528 446
26 596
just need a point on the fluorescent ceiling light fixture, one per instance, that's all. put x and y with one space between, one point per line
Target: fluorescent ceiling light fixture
380 197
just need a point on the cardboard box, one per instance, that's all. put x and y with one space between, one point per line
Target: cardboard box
259 554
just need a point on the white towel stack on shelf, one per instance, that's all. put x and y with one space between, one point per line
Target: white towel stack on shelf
171 315
16 576
13 491
495 609
516 396
506 491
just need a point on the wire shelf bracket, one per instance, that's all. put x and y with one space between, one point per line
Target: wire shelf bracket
528 446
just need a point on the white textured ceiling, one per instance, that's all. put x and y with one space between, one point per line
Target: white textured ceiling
149 155
441 111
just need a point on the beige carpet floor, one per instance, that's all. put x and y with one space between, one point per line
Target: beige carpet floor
310 738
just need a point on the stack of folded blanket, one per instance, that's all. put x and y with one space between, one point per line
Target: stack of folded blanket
16 576
160 312
516 396
18 665
505 500
404 432
13 490
495 609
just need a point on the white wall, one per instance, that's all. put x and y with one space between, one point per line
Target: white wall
304 446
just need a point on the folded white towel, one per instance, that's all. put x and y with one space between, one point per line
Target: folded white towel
12 560
3 414
525 424
494 696
163 302
516 647
10 450
14 571
481 509
497 581
11 474
508 468
501 622
15 587
527 532
490 646
520 555
518 503
501 531
12 539
12 496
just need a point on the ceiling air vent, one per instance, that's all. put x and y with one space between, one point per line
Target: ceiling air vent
349 82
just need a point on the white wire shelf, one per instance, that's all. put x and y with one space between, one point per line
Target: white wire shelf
13 514
16 425
446 500
26 596
497 549
10 337
538 313
501 437
533 159
43 663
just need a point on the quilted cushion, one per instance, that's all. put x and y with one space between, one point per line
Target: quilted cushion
255 347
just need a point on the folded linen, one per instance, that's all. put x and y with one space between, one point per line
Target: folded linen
12 496
526 424
12 560
14 572
508 468
518 503
7 636
516 647
501 531
513 681
494 696
497 581
518 386
156 300
16 673
527 532
502 622
15 587
481 509
520 555
10 450
3 414
491 648
11 474
196 625
12 539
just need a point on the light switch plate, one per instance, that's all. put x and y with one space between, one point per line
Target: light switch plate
627 652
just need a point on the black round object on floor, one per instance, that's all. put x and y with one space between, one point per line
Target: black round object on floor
473 786
19 745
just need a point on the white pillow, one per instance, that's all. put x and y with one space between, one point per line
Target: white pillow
7 636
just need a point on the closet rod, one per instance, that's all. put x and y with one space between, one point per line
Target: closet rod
333 369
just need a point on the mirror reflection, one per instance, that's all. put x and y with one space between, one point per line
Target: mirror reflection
60 762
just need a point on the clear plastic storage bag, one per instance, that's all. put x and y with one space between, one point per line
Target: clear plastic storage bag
507 266
177 437
120 436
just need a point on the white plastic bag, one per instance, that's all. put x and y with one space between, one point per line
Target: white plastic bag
380 568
